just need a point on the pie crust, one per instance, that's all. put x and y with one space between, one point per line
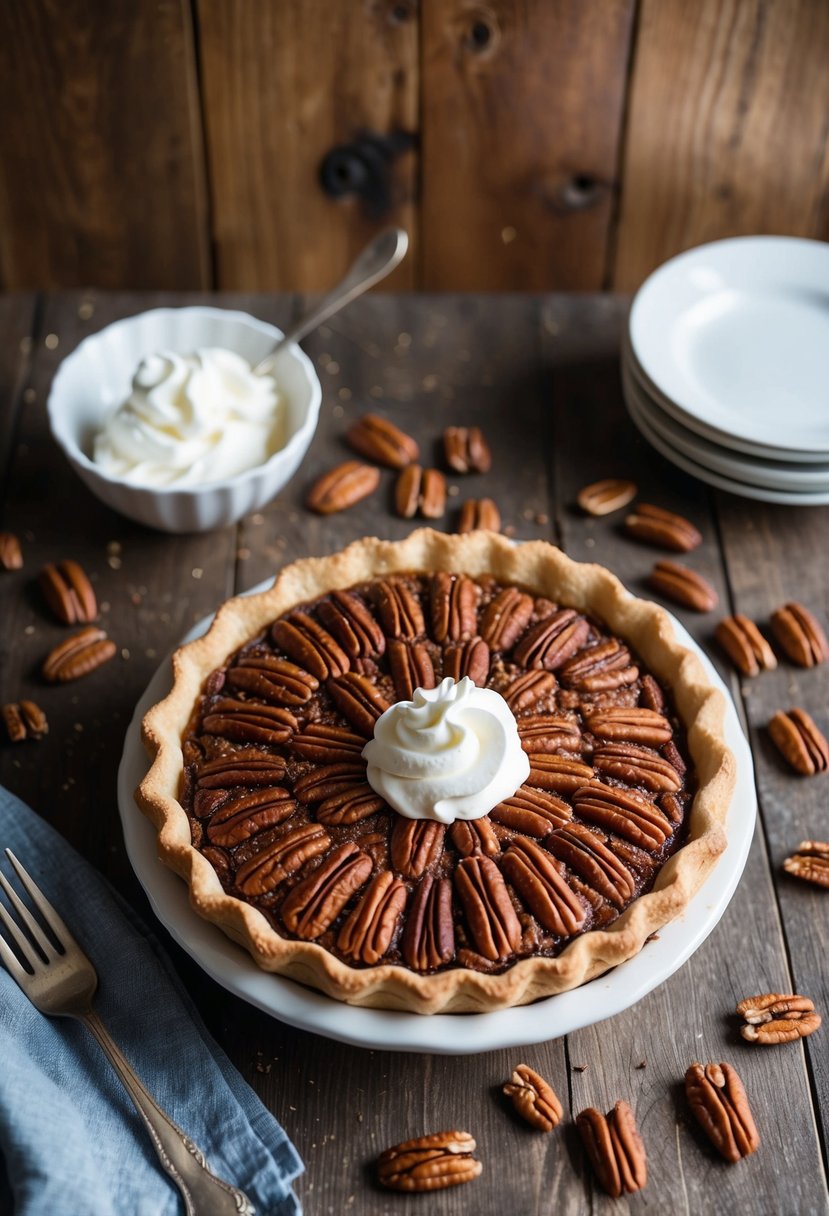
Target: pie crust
544 571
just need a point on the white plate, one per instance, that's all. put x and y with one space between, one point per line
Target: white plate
774 475
449 1034
736 334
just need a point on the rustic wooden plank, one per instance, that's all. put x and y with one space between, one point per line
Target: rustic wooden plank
283 84
17 318
517 188
101 170
750 154
690 1016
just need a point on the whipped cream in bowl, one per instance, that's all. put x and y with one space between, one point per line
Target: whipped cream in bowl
452 752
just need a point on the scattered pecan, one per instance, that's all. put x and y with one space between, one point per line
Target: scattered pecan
432 494
810 862
367 931
539 880
249 722
248 813
624 812
493 924
251 769
529 689
777 1018
532 812
429 936
637 766
467 659
615 1149
800 635
600 668
24 720
317 900
381 441
549 733
475 836
422 490
630 724
429 1163
602 497
78 655
281 857
11 557
716 1096
359 699
745 645
350 805
505 618
312 646
584 851
558 773
683 586
342 487
466 449
454 602
328 744
656 526
69 593
415 845
400 612
479 514
534 1100
351 623
800 741
272 679
553 640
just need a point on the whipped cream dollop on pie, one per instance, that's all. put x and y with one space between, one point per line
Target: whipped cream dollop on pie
452 752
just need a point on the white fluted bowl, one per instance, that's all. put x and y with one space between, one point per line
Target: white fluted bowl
96 377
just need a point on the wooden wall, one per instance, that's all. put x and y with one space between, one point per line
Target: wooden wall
539 144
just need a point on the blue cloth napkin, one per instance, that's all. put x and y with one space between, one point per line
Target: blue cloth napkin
70 1138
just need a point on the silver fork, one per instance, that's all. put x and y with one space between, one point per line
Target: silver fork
60 981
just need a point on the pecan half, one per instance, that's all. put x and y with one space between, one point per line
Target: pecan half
800 741
432 494
251 769
350 805
322 783
411 667
651 695
610 494
683 586
800 635
615 1149
78 655
281 857
505 618
810 862
246 814
429 1163
600 668
637 766
69 593
549 733
656 526
584 851
249 722
529 689
466 449
479 514
317 900
312 646
351 623
359 699
745 645
539 880
493 924
272 679
532 812
775 1017
716 1096
400 613
467 659
630 724
558 773
624 812
407 491
369 928
454 602
381 441
534 1100
415 845
475 836
11 556
429 936
551 642
24 720
342 487
328 744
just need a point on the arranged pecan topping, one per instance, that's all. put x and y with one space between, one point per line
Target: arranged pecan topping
479 514
584 851
317 900
505 618
422 490
528 689
602 497
467 659
623 812
630 724
249 722
454 604
615 1148
800 635
24 720
466 449
342 487
600 668
551 642
272 679
672 806
251 769
350 805
78 655
716 1096
350 622
359 699
558 773
429 935
246 814
656 526
429 1163
651 695
415 845
549 733
532 812
493 924
381 441
281 857
69 593
368 930
220 862
777 1018
810 862
11 556
325 782
312 646
800 741
637 766
534 1100
411 667
745 645
683 586
328 744
475 836
539 880
400 613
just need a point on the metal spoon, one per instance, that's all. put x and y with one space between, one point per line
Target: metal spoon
377 260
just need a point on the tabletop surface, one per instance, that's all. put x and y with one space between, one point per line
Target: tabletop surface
540 374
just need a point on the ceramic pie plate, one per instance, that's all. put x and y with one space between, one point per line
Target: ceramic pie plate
293 1003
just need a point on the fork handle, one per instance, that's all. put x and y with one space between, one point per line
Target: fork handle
204 1194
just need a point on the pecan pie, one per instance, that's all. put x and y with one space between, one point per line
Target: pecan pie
260 791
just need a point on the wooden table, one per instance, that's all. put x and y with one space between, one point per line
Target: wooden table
541 374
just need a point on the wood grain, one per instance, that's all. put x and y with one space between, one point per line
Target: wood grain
101 165
282 84
518 166
727 128
17 318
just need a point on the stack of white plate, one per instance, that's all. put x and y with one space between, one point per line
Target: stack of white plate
725 366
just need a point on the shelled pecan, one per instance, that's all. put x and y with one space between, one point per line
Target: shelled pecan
534 1099
603 497
349 805
282 856
718 1100
411 667
415 845
615 1149
600 668
777 1017
420 490
342 487
24 720
745 645
683 586
475 836
810 862
630 724
317 900
367 932
549 733
78 655
11 556
351 623
310 645
585 852
327 744
479 514
245 814
532 812
493 924
69 593
561 774
637 766
399 611
359 699
624 812
466 449
249 722
551 642
540 881
453 601
505 618
381 441
528 689
800 635
429 936
467 659
656 526
429 1163
272 679
800 741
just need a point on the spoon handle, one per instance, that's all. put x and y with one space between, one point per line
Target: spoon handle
377 260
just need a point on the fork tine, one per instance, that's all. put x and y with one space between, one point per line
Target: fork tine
35 932
18 937
55 922
11 964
